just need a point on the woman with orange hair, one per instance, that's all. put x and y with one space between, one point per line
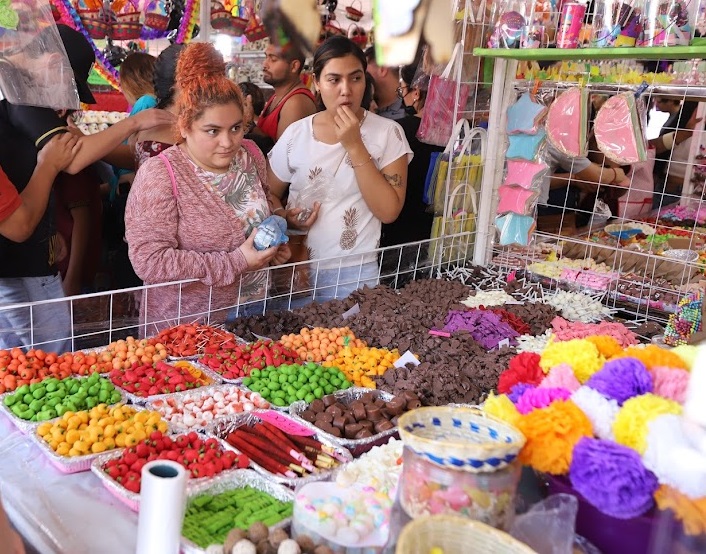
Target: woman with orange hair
193 208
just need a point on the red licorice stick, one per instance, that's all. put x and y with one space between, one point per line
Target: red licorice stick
258 457
264 446
306 441
277 432
317 447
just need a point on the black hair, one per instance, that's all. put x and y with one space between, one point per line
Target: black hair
165 74
370 53
255 92
292 53
336 47
407 73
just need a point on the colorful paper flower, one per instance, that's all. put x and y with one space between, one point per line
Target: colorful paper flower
670 383
561 377
535 398
518 390
652 356
687 353
630 425
612 478
523 368
621 379
607 346
692 513
501 407
552 433
600 411
580 354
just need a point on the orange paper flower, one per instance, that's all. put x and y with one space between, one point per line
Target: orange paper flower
692 513
653 356
607 345
552 433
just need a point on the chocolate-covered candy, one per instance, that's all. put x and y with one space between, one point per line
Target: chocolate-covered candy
367 424
353 429
368 398
336 432
308 415
317 406
363 434
383 425
329 400
409 395
374 413
324 416
380 403
396 406
339 422
334 410
358 410
413 404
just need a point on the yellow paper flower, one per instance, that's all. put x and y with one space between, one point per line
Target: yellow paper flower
630 427
607 345
692 513
654 356
688 353
551 434
501 407
581 354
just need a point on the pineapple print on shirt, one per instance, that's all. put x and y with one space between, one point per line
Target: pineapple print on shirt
349 236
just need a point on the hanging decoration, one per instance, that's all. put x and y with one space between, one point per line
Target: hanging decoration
127 29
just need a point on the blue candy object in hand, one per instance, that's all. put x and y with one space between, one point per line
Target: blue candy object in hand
271 232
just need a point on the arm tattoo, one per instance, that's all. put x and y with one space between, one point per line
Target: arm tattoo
395 180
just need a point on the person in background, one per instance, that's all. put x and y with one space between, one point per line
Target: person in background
415 221
28 271
357 162
137 81
10 540
151 142
253 94
291 101
386 80
672 147
368 102
193 209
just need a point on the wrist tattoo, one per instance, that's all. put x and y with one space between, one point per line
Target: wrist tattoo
395 180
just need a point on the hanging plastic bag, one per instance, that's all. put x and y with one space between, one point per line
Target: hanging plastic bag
549 526
619 130
456 212
601 215
34 67
446 98
437 178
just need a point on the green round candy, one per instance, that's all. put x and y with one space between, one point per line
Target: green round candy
247 381
291 399
330 389
255 373
278 401
301 394
318 392
264 392
309 398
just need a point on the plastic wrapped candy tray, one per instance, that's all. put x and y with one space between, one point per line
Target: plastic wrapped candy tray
158 404
223 427
132 499
355 446
28 427
75 464
236 480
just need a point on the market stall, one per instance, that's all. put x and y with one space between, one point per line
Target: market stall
329 427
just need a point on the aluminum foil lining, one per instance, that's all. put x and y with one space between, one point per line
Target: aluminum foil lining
235 480
181 397
132 499
74 464
28 427
224 427
346 397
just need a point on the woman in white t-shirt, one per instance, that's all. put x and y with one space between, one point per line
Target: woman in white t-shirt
357 162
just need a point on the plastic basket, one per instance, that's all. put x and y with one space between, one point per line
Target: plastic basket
125 31
456 535
353 13
460 438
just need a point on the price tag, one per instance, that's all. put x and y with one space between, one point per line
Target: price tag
284 423
350 313
406 358
260 337
504 342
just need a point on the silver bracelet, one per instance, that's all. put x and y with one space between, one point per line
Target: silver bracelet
278 209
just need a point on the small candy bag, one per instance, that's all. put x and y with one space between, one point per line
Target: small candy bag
567 122
619 131
515 229
525 116
519 200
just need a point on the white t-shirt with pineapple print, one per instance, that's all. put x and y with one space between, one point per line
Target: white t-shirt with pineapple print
346 230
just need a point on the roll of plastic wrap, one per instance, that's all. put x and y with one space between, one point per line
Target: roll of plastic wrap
162 504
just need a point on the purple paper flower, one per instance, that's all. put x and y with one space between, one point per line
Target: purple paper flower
535 398
621 379
518 390
612 478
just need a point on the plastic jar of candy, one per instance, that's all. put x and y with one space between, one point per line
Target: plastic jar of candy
429 489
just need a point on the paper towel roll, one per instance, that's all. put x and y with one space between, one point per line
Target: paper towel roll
162 505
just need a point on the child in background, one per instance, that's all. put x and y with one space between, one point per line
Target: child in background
257 98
